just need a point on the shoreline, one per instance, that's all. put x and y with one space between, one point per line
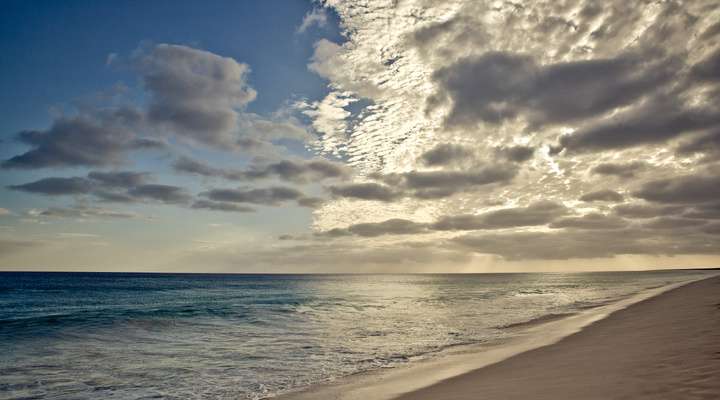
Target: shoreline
409 381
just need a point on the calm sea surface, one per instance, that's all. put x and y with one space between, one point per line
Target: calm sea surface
136 336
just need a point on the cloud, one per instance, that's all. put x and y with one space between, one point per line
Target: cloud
707 144
538 213
535 214
708 69
164 193
389 227
626 170
311 202
119 179
76 235
195 93
641 211
425 185
701 188
315 17
221 206
56 186
10 246
713 229
602 195
439 184
496 86
654 121
107 186
703 211
4 211
446 153
673 223
586 244
300 171
365 191
94 139
188 165
83 212
517 153
271 196
590 221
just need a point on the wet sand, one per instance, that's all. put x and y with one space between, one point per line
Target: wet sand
665 347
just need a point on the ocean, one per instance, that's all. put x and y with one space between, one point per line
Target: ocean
210 336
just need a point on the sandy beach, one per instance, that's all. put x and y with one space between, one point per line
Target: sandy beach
666 347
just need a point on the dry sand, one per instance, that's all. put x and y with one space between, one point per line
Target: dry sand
665 347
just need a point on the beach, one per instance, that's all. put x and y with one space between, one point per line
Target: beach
665 347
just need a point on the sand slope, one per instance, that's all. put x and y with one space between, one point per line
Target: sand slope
666 347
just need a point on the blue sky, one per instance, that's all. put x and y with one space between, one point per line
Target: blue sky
56 55
320 136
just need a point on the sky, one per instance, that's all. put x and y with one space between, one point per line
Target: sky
361 137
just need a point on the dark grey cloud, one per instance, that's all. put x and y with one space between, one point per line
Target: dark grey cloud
548 246
700 188
195 93
110 196
539 213
622 170
221 206
163 193
389 227
457 180
365 191
497 86
602 195
56 186
119 179
300 171
426 184
83 212
703 211
99 139
707 144
569 244
10 246
673 223
439 184
711 31
713 229
149 143
108 186
188 165
708 69
516 153
655 121
271 196
642 211
590 221
310 202
445 154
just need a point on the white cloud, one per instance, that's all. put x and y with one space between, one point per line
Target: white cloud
315 17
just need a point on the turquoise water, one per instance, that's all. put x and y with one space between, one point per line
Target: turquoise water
179 336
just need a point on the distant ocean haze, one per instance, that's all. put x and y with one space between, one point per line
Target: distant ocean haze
129 336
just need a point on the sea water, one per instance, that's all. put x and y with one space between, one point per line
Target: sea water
181 336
